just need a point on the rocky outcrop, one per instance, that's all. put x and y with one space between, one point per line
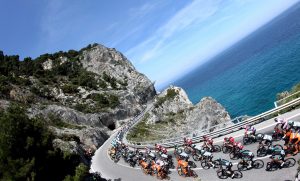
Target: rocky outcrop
84 95
102 60
174 115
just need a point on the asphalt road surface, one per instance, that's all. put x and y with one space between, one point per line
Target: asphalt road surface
122 171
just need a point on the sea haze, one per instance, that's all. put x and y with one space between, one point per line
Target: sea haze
246 78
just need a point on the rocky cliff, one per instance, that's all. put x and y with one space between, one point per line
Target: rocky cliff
84 95
174 115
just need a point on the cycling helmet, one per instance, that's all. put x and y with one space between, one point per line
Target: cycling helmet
260 136
230 164
291 123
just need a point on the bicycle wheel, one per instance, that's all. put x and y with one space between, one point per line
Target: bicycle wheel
196 157
290 162
216 148
233 156
226 149
187 150
179 150
241 166
217 164
271 166
237 174
261 152
205 165
246 140
194 174
222 174
192 164
258 164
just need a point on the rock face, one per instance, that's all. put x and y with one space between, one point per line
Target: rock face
92 91
102 60
174 115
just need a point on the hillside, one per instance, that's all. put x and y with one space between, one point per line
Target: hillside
175 115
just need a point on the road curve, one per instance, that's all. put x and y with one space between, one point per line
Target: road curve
121 171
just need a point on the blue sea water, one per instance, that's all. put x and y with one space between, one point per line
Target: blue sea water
246 78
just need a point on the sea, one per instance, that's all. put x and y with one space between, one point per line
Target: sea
246 77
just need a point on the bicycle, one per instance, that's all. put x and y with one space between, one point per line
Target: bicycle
274 164
223 174
243 164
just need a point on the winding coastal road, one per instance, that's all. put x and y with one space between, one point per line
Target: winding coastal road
121 171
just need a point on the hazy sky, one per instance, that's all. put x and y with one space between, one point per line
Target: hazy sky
164 39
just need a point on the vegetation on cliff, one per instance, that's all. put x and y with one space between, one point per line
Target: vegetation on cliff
288 96
27 153
61 70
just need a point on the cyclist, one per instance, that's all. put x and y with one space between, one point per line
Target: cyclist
282 121
238 146
266 139
227 165
206 155
278 156
287 134
247 156
250 130
295 125
295 139
229 141
183 162
188 141
208 142
157 147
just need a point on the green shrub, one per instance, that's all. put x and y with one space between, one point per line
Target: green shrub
26 150
70 89
105 100
171 94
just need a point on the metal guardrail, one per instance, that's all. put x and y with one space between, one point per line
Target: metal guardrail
229 128
278 103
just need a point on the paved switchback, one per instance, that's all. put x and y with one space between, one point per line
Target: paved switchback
121 171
